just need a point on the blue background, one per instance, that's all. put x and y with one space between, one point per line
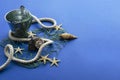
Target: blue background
95 55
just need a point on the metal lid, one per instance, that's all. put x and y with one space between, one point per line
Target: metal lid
18 15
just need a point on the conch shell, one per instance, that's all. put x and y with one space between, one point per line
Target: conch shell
67 36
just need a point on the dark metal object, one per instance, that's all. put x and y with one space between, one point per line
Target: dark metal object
19 21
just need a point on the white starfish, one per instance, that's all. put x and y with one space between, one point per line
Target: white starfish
55 62
31 34
44 58
18 50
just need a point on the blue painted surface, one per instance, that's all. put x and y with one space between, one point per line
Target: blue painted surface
95 55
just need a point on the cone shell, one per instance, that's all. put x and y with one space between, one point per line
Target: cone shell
67 36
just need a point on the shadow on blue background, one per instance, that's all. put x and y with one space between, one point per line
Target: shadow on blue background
95 55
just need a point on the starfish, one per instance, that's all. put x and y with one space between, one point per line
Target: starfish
55 62
58 27
18 50
45 58
31 34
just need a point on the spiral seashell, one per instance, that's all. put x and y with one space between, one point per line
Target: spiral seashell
38 43
67 36
35 43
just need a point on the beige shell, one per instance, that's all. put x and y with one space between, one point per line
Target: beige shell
67 36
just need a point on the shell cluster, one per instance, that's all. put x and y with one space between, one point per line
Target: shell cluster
67 36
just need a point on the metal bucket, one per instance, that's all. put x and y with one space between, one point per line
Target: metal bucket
19 21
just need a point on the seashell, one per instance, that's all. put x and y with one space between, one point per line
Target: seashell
67 36
38 43
35 43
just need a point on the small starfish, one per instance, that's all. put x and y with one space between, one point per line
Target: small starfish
18 50
58 27
45 58
55 62
31 34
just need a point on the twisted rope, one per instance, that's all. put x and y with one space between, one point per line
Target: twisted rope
9 50
47 42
